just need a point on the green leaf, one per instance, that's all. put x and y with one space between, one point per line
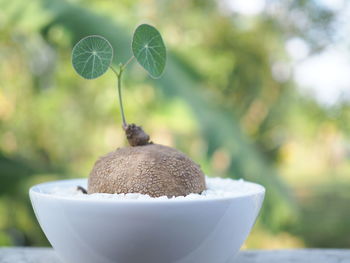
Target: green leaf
92 56
149 49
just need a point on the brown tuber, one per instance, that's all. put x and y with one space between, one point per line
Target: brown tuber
146 168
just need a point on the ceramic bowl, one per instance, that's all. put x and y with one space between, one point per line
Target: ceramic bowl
144 231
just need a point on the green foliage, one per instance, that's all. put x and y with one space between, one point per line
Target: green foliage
149 49
92 56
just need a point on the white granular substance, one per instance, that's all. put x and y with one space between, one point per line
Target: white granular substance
216 188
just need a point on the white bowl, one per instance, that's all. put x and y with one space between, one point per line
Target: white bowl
145 231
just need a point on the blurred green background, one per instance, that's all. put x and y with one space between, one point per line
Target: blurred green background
236 96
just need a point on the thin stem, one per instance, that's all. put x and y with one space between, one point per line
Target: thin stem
120 98
119 77
130 59
114 70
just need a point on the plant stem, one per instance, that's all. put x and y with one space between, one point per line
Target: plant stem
120 97
119 77
126 63
115 71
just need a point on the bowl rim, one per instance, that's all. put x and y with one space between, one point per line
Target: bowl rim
35 191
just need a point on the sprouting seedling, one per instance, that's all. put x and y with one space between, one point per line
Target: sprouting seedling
92 57
147 168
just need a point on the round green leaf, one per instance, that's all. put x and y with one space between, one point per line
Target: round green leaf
92 56
149 49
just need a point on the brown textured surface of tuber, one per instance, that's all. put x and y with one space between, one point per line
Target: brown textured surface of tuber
152 169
